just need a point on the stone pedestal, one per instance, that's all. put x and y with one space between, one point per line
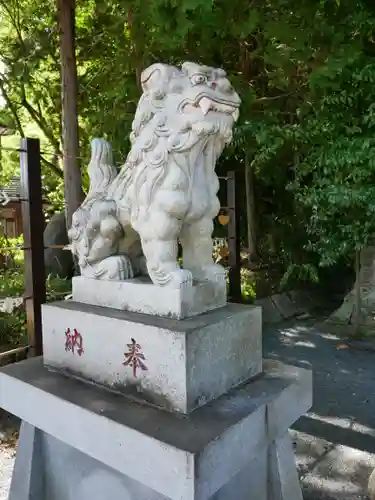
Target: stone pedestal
179 365
142 296
133 406
82 442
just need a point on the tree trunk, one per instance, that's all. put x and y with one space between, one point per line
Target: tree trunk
137 38
357 295
358 307
251 213
69 92
367 267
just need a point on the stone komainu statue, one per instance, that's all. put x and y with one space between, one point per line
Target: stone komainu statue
130 222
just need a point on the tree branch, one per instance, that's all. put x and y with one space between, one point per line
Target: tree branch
40 121
272 98
52 166
11 108
14 17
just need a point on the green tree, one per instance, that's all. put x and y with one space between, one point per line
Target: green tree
335 181
302 68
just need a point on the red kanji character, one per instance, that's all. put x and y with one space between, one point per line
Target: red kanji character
134 357
73 340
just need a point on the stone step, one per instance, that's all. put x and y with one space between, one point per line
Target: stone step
97 445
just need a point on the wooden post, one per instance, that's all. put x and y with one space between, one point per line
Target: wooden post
33 228
234 257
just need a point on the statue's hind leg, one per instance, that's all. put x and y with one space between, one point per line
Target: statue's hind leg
159 244
196 241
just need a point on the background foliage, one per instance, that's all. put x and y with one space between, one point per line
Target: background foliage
13 317
305 71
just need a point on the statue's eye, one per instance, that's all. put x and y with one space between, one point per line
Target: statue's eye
198 79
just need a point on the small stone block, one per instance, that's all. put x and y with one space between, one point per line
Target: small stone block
284 305
177 364
270 313
297 301
142 296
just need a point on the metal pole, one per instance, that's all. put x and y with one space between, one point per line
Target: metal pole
234 257
33 228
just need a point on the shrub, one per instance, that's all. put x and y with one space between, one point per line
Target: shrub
13 318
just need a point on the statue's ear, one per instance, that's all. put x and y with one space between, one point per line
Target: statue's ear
156 76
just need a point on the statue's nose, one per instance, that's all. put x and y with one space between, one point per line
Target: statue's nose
224 86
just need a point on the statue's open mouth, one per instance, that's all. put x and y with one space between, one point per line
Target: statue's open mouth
206 104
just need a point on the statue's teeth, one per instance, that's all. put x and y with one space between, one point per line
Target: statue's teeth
205 104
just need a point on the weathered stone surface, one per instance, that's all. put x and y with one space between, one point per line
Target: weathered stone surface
57 261
140 295
180 364
97 445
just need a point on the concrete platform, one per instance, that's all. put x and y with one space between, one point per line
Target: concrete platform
142 296
176 364
87 443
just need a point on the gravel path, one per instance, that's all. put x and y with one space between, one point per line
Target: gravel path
6 467
335 441
8 438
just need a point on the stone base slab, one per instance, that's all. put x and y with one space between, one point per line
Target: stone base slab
179 365
100 446
142 296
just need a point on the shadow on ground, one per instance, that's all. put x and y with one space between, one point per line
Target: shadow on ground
335 442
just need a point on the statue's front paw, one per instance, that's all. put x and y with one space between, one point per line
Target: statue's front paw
114 268
212 272
181 278
178 278
125 268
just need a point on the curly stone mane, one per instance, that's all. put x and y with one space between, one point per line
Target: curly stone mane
163 133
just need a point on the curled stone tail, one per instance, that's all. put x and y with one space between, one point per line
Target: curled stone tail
101 170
